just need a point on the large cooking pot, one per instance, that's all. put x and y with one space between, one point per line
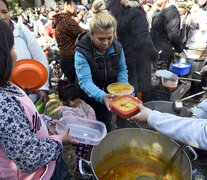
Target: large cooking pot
196 65
139 146
165 107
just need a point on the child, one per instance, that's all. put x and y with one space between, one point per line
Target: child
70 95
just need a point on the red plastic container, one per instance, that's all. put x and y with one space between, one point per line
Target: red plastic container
125 114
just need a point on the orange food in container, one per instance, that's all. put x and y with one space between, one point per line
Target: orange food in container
125 106
119 88
170 82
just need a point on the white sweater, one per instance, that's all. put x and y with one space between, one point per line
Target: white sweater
187 130
33 51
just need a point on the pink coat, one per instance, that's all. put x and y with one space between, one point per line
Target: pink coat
8 169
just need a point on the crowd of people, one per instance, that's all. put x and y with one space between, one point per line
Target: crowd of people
99 44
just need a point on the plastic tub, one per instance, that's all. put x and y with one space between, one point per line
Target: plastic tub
125 106
119 88
170 82
180 68
83 130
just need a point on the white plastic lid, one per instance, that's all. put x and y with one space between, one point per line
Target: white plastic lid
82 130
163 73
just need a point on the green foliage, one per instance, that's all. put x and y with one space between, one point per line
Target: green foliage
13 4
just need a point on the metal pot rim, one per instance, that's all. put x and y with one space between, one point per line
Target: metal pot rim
145 130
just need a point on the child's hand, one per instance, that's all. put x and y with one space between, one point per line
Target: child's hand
52 129
65 138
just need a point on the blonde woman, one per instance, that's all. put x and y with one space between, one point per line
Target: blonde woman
99 61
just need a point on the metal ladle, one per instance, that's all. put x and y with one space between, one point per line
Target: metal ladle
164 171
178 105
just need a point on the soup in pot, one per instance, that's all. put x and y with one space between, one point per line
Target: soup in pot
130 163
131 171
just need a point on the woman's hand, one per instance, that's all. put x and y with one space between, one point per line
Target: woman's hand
142 116
106 99
52 129
66 139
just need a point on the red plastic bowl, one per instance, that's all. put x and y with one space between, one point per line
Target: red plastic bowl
122 113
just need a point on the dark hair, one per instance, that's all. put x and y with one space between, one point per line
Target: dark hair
6 44
6 4
69 92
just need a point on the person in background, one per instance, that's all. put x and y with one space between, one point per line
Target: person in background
66 32
43 16
187 130
134 36
26 47
86 18
14 17
157 6
27 150
49 31
147 6
202 4
166 32
100 61
22 21
39 24
199 37
73 106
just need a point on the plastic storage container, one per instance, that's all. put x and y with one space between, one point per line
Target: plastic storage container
155 80
180 68
118 89
170 82
128 102
82 130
